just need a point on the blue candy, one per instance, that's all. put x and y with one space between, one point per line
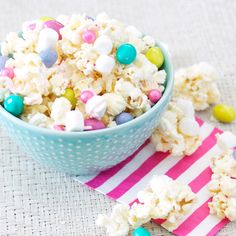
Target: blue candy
140 231
123 118
3 60
234 155
14 104
126 53
48 57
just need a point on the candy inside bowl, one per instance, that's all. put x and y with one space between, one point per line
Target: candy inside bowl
87 136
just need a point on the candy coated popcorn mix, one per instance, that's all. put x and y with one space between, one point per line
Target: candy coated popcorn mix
75 53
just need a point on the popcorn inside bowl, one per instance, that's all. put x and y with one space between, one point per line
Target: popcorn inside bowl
76 73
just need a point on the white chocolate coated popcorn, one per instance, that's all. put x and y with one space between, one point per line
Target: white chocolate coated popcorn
164 198
117 223
59 109
177 132
197 83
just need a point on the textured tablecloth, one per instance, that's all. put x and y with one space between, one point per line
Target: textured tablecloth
35 200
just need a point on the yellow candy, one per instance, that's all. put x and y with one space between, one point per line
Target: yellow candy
155 56
45 18
224 113
70 95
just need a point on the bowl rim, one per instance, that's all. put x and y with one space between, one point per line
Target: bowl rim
80 134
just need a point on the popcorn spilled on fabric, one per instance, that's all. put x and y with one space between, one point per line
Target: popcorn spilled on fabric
223 181
164 198
178 131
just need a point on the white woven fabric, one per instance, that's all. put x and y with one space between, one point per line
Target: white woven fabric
37 201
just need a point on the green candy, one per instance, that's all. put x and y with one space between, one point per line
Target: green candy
70 95
224 113
14 104
155 56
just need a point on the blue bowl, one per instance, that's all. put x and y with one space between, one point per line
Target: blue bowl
87 153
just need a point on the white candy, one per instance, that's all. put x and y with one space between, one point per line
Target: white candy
188 126
74 121
105 64
47 39
96 107
103 45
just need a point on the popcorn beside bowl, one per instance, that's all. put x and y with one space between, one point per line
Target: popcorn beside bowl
87 153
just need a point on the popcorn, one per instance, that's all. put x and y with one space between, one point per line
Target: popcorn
222 206
39 120
164 198
117 223
115 103
177 132
224 164
197 83
223 181
59 109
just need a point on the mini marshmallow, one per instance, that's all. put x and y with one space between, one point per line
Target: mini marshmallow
96 107
105 64
47 39
103 45
188 126
74 121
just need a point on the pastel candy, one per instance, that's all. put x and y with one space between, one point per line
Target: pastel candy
8 72
14 104
96 107
89 36
224 113
59 127
140 231
103 45
93 124
47 39
55 25
3 60
155 56
70 95
154 95
126 53
46 18
49 57
86 95
74 121
234 155
123 118
105 64
188 126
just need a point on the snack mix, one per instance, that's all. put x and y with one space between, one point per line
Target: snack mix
77 73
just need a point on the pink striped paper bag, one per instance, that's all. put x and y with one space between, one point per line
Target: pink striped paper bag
123 181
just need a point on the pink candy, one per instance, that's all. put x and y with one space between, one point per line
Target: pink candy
59 127
8 72
55 25
89 36
154 95
86 95
93 124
